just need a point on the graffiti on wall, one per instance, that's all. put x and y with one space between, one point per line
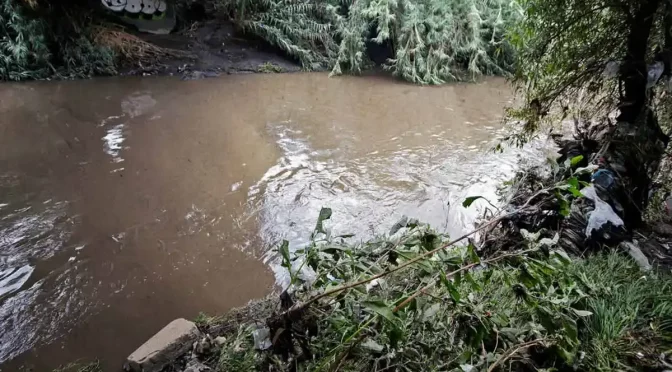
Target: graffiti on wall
137 8
152 16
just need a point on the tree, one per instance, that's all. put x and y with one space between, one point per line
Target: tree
595 58
40 40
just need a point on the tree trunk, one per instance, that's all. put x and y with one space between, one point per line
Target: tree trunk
634 71
630 153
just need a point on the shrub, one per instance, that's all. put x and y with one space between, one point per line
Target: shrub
43 41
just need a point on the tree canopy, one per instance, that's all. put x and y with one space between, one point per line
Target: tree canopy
605 62
597 52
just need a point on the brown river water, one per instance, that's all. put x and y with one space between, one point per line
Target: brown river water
128 202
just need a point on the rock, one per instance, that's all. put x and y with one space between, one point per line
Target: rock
196 366
220 341
663 229
203 346
637 255
168 344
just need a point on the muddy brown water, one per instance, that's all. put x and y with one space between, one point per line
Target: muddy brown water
128 202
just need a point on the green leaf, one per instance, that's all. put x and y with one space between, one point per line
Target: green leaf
471 251
457 279
395 335
582 313
527 277
571 330
373 346
576 160
487 276
380 308
562 256
422 264
325 214
468 201
431 311
284 252
564 205
452 290
474 285
589 169
574 187
546 319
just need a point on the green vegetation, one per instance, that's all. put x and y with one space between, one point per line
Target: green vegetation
435 309
606 64
269 67
585 58
303 29
39 42
434 41
427 41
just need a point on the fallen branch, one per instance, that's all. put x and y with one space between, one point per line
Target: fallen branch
301 306
513 351
451 274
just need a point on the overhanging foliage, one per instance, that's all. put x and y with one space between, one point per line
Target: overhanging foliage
433 41
48 41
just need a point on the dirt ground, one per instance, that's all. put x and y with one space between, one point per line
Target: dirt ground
212 48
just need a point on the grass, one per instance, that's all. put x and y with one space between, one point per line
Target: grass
269 67
205 320
631 312
531 309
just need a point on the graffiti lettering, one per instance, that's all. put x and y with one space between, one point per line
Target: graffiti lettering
136 7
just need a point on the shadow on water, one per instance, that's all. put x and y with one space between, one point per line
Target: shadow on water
125 203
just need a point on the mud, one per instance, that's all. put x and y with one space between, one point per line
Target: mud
212 48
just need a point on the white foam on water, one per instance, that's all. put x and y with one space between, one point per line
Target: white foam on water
113 142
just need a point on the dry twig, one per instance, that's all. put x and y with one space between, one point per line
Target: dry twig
513 351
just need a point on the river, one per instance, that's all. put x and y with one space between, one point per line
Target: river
128 202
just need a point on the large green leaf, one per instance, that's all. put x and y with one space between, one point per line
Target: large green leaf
452 290
325 214
284 252
470 200
576 160
471 251
380 308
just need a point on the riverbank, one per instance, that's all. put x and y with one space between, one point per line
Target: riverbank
208 37
151 199
209 49
413 301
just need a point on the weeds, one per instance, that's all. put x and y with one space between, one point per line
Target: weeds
48 42
205 320
130 49
270 67
353 309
